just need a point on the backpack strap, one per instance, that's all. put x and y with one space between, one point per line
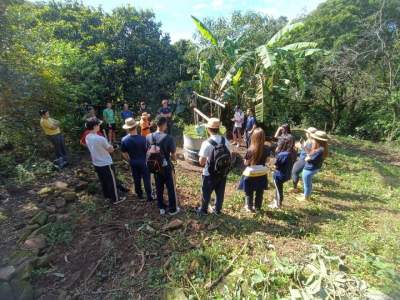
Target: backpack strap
212 142
154 142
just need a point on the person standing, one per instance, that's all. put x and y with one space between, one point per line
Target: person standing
161 152
145 124
143 108
238 120
215 157
134 148
314 161
126 113
251 124
51 128
283 165
100 150
305 148
109 120
254 180
166 112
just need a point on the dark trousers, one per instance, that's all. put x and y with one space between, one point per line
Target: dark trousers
247 137
213 184
166 178
296 170
278 183
139 172
59 146
108 182
259 193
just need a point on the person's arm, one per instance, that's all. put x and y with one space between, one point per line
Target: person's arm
202 154
125 156
312 157
278 132
107 146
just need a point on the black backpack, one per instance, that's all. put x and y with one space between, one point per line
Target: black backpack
155 157
219 163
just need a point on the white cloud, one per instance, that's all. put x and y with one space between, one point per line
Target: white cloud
217 4
176 36
268 11
199 6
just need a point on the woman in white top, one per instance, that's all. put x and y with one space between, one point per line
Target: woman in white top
238 120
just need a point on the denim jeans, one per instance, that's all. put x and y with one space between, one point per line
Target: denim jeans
307 181
59 146
139 172
296 170
166 178
213 184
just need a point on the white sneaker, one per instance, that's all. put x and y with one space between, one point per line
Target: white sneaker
121 199
273 205
175 212
162 212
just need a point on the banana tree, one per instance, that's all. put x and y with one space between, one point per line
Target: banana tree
264 64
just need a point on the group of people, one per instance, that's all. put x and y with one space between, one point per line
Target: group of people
152 151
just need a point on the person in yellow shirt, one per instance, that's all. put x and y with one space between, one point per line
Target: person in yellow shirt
51 128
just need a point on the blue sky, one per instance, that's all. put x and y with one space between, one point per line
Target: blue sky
175 14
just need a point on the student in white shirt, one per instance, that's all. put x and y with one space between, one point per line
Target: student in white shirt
215 157
238 119
100 151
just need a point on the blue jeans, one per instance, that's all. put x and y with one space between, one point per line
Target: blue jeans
209 185
139 171
166 178
307 181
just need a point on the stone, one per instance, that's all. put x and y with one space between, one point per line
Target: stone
42 261
27 232
60 185
44 192
60 202
41 230
19 226
6 291
6 273
174 224
62 217
24 270
40 218
81 186
69 196
51 209
36 243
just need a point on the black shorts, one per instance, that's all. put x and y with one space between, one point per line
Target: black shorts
237 130
111 127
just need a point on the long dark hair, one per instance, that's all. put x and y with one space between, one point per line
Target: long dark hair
320 144
285 144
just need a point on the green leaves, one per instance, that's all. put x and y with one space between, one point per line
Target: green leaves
266 55
299 46
204 31
283 33
235 68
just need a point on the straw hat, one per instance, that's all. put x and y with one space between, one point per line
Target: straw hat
213 123
129 123
311 130
320 135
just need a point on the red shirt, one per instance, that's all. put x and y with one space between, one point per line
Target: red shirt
82 140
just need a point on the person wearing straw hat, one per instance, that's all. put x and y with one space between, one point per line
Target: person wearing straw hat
100 150
145 124
305 148
215 157
134 148
314 161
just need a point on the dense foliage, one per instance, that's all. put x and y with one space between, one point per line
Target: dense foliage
351 87
64 55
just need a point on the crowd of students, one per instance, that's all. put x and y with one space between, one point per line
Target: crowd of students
151 152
